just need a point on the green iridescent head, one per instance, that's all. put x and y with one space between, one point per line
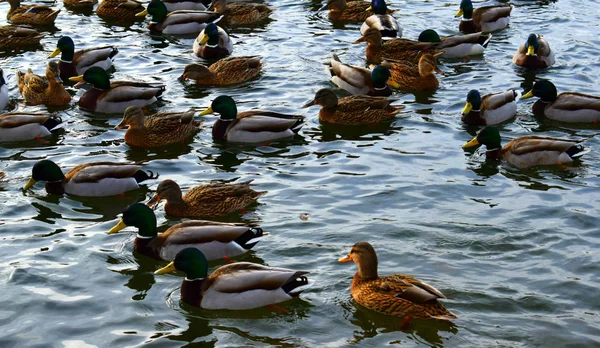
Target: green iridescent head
429 35
488 136
223 105
190 261
138 215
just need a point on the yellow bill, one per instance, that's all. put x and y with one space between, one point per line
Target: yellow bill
468 107
142 14
30 183
204 39
459 13
55 53
531 51
369 9
76 78
121 225
392 83
207 111
474 142
528 95
167 269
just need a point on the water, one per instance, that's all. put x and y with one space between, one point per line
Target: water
516 250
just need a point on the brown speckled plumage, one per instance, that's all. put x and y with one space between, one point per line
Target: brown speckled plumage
15 37
80 4
43 89
226 71
120 9
395 49
30 14
240 13
349 11
414 77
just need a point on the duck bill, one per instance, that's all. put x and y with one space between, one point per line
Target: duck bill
55 53
459 13
121 125
531 51
142 14
183 76
468 107
76 78
369 8
209 110
362 39
121 225
204 39
346 258
474 142
153 201
167 269
309 104
527 95
392 83
30 183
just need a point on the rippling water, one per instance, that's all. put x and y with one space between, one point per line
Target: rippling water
516 250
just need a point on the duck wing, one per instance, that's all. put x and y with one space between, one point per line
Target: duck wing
95 171
535 143
576 101
17 119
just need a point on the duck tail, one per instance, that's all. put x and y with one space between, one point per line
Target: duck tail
113 53
485 40
54 14
52 123
141 175
577 151
298 125
296 284
249 238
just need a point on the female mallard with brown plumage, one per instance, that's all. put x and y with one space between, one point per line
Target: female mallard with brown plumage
226 71
177 22
217 240
492 109
212 43
535 53
241 13
530 150
415 77
206 200
457 46
359 80
94 179
160 129
120 9
17 37
486 18
47 90
355 109
399 295
353 11
20 126
74 63
238 286
30 14
80 4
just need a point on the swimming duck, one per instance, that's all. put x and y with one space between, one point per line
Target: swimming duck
30 14
399 295
395 49
216 240
415 77
3 91
565 107
382 21
76 63
212 43
226 71
80 4
17 37
493 108
237 286
177 22
46 90
458 46
530 150
114 97
359 80
342 10
253 126
160 129
206 200
94 179
535 53
183 5
486 18
20 126
120 9
355 109
241 13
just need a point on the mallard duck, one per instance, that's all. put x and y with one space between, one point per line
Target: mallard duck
457 46
237 286
177 22
535 53
206 200
493 108
226 71
395 49
382 21
399 295
342 10
565 107
486 18
216 240
3 91
76 63
359 80
241 13
182 5
415 77
20 126
114 97
120 9
160 129
530 150
95 179
80 4
212 43
30 14
355 109
16 37
253 126
46 90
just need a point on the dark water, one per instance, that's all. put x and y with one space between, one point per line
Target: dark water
516 250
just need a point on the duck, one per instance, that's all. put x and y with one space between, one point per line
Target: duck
224 72
80 4
177 22
382 21
535 53
94 179
458 46
212 43
353 110
398 295
237 286
17 37
486 18
160 129
530 150
348 11
216 240
240 13
183 5
359 80
21 126
3 91
30 14
253 126
569 107
492 109
209 200
124 10
47 90
395 49
415 77
74 63
114 97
